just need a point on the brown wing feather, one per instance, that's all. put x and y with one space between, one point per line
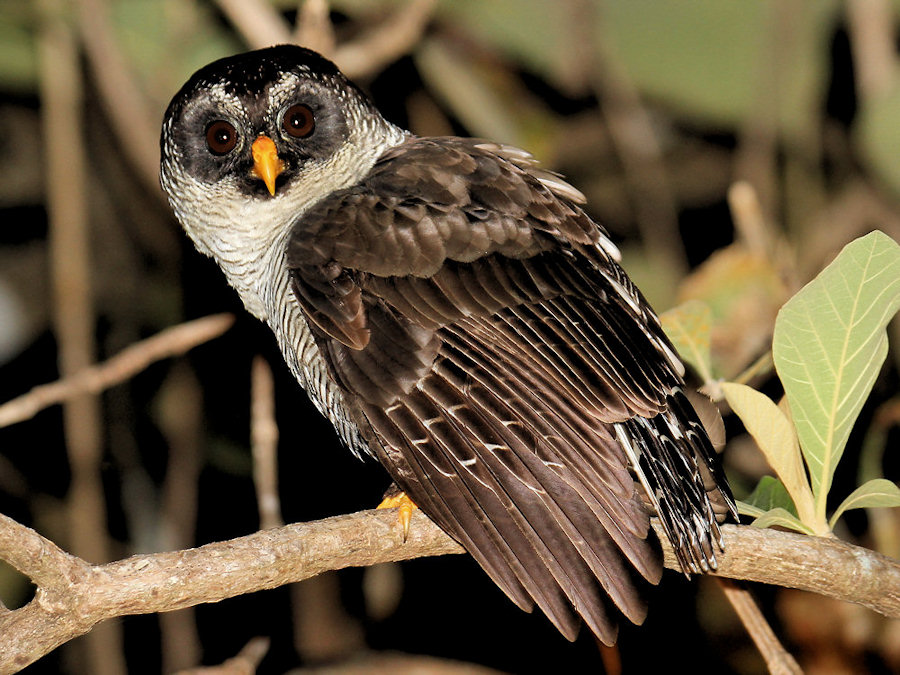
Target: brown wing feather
493 354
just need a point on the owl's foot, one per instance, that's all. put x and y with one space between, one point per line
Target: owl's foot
396 498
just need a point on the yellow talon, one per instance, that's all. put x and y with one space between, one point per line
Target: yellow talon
399 500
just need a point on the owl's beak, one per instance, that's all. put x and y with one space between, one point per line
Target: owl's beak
266 164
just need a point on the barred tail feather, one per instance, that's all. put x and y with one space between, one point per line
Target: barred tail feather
675 463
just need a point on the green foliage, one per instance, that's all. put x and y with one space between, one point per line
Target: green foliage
18 47
535 33
873 493
768 494
777 439
481 96
829 344
164 41
708 58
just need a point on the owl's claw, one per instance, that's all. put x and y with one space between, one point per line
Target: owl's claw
397 499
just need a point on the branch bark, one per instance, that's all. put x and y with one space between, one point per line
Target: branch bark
74 596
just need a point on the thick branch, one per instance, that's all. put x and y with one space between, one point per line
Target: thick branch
270 558
166 581
829 567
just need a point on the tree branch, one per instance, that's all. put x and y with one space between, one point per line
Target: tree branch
777 658
264 444
130 361
258 22
261 26
130 112
825 566
386 42
74 596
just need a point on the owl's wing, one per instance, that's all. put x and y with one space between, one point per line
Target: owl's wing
508 375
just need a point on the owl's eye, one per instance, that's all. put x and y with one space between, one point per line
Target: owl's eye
299 121
221 137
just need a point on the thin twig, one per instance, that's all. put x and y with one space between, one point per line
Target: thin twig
762 366
264 444
777 658
179 406
749 221
261 26
756 154
129 109
637 146
314 29
131 360
258 22
386 42
872 26
244 663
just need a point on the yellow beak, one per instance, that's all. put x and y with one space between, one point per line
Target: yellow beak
266 164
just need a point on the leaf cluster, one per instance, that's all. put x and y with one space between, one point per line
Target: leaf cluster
829 344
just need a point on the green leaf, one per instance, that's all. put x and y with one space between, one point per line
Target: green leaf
688 326
164 42
876 492
829 344
747 509
777 440
769 494
780 518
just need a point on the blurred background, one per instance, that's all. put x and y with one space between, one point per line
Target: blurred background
730 147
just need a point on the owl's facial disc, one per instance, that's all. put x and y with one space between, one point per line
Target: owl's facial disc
258 134
252 141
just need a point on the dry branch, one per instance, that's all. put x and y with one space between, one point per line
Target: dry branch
777 658
129 109
261 26
826 566
264 444
245 663
74 596
386 42
314 29
258 22
636 141
127 363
